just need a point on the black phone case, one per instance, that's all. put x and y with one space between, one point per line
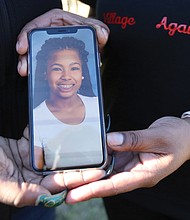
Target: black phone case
64 69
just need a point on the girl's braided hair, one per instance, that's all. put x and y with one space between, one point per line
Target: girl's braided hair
41 90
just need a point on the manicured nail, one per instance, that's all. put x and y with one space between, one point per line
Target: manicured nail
115 139
51 200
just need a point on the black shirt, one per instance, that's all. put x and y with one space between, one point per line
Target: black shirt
146 76
14 14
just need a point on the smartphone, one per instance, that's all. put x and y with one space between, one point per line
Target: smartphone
66 118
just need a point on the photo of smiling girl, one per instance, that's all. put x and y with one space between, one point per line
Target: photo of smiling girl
66 116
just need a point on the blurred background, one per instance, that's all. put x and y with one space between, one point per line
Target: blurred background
76 7
94 208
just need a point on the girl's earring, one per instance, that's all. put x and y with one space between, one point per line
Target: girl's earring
82 77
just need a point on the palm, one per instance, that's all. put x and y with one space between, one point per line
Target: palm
153 154
15 161
136 165
21 186
142 158
17 176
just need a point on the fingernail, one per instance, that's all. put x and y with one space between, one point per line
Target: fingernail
19 66
115 139
17 46
105 32
51 200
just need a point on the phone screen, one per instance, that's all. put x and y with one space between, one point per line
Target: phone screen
66 116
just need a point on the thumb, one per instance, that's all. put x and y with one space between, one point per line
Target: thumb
140 140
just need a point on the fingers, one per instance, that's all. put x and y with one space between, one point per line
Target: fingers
98 189
14 191
71 179
56 183
22 66
56 17
119 183
163 154
140 140
158 138
52 200
67 180
74 179
48 19
102 31
146 174
31 194
20 195
26 133
164 136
